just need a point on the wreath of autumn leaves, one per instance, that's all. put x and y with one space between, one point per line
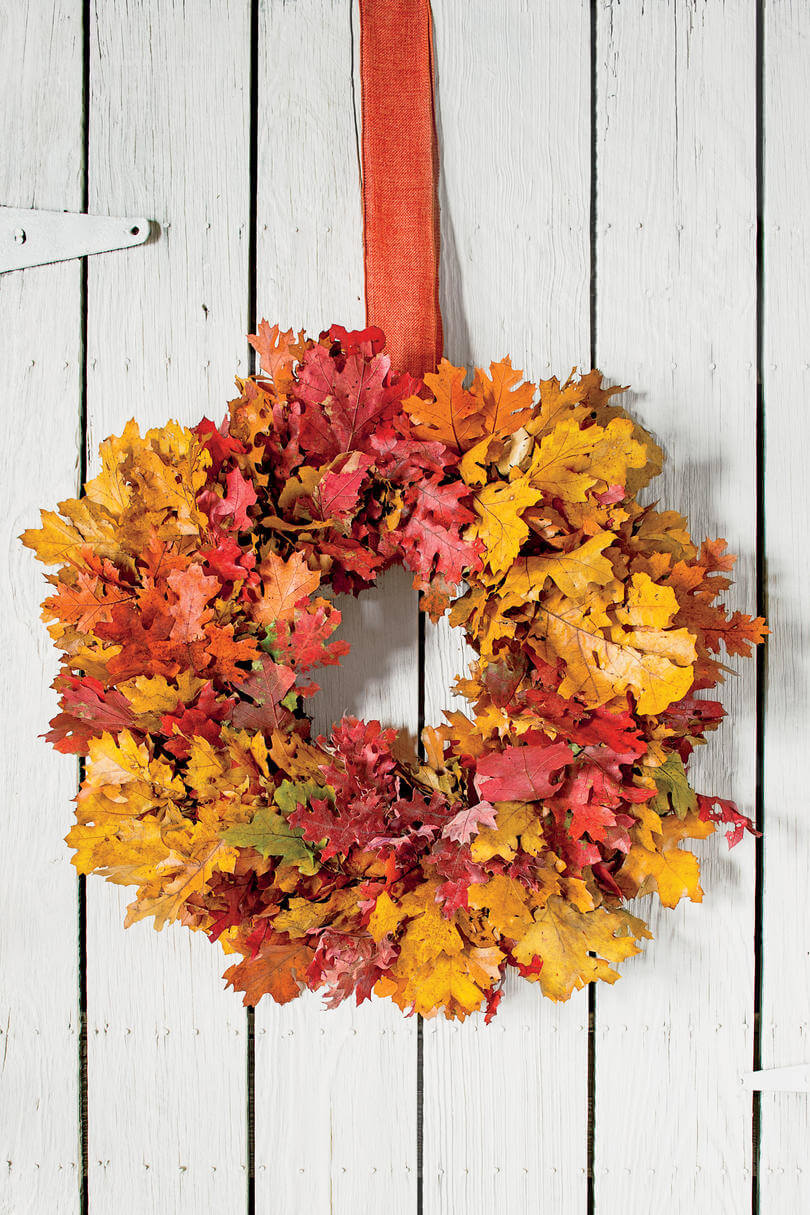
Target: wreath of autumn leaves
194 601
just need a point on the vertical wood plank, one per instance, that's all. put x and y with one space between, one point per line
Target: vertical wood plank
335 1090
169 133
784 1177
40 348
505 1116
676 274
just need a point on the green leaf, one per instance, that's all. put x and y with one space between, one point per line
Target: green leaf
270 834
290 794
673 788
269 643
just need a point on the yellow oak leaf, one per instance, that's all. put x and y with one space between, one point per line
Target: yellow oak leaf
655 664
154 694
575 891
57 542
434 969
386 916
206 768
517 821
564 939
472 464
109 840
647 605
573 572
115 762
507 903
127 803
110 487
247 752
294 755
561 464
558 403
648 823
481 614
454 983
616 452
670 870
170 471
662 532
499 508
303 915
196 852
303 485
569 461
62 536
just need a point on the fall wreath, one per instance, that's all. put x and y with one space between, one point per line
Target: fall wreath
194 601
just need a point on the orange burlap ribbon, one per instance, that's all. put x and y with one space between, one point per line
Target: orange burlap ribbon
400 172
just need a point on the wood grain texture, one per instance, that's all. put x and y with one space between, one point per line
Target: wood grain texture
676 274
505 1114
504 1106
784 1175
40 339
169 139
335 1090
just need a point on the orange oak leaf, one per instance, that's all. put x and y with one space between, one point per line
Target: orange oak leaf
453 416
506 399
284 584
193 589
278 970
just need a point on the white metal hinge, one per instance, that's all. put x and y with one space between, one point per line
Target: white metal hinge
795 1079
36 238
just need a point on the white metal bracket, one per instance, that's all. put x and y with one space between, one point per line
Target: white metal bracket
795 1079
36 238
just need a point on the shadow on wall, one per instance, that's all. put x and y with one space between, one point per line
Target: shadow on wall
379 677
457 344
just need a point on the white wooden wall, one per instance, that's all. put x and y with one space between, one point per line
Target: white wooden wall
607 173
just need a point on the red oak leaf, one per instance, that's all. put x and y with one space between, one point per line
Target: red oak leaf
358 341
343 405
193 590
345 963
454 863
219 441
266 686
336 830
464 825
494 997
229 561
305 643
88 710
726 812
200 719
241 494
338 492
521 774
